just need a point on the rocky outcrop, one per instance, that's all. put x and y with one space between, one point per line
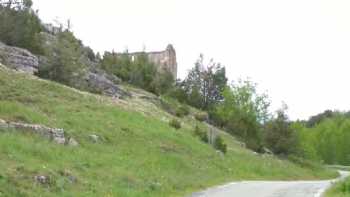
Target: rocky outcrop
91 78
54 134
18 59
95 79
101 82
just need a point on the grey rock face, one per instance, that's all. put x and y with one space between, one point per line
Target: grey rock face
102 83
18 59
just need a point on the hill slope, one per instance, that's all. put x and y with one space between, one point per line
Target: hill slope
140 155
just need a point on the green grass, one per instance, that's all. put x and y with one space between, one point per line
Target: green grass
140 156
341 189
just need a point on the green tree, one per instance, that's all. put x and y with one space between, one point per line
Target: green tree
142 72
20 26
279 135
204 84
327 141
242 113
64 63
119 65
162 83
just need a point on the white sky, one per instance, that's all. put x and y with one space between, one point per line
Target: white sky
296 50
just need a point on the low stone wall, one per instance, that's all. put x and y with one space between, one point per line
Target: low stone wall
54 134
18 59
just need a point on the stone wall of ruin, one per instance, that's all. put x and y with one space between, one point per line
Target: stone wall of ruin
165 60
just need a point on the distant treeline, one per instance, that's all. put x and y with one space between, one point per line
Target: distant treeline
326 137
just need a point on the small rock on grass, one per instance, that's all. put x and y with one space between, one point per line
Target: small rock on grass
72 142
3 124
94 138
42 179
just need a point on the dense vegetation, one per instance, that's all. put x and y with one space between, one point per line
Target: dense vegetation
20 26
242 112
238 108
328 140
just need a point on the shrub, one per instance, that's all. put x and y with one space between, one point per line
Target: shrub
182 111
220 145
201 116
201 134
175 123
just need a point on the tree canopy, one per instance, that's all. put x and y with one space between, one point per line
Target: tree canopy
20 26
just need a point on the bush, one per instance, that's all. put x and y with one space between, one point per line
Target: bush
201 134
220 145
201 116
175 123
182 111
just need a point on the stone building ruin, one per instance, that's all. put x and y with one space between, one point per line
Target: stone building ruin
164 60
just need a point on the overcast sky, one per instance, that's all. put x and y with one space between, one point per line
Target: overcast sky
296 50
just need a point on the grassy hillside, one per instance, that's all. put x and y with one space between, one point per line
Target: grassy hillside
139 156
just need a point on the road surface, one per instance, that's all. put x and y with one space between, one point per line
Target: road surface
270 188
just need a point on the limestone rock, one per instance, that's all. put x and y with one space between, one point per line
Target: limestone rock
72 142
42 179
55 134
221 154
102 83
267 151
18 59
3 124
58 136
59 140
94 138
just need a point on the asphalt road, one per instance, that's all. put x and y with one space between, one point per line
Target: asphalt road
270 188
